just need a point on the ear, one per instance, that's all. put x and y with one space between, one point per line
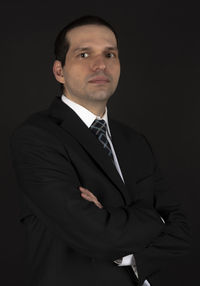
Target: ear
58 71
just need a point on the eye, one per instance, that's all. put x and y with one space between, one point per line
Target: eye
110 55
84 55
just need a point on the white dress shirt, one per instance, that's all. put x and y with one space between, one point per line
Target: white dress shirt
88 118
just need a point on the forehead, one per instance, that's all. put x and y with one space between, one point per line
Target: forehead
91 34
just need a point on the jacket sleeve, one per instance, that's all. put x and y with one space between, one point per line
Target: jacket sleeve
49 185
174 241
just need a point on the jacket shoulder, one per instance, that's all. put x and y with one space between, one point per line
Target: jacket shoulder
126 129
138 139
36 127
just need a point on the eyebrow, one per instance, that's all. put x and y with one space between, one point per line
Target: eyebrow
110 48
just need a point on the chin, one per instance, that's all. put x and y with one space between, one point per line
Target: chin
100 95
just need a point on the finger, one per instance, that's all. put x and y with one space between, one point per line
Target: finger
83 189
85 196
88 193
97 203
89 197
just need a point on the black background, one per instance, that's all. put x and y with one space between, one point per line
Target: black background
158 95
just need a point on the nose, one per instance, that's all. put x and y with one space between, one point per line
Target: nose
98 63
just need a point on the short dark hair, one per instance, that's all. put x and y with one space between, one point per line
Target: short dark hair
62 45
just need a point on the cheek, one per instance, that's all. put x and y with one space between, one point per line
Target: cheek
116 74
114 69
75 75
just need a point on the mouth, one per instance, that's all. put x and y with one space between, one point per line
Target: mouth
99 80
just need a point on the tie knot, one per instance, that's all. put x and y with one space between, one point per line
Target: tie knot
98 126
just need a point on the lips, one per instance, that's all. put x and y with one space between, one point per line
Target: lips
99 79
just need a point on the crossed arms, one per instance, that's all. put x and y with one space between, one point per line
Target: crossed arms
50 188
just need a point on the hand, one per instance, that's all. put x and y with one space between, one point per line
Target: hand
87 195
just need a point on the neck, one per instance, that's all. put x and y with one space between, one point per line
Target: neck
97 108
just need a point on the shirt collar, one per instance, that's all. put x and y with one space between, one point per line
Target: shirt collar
85 115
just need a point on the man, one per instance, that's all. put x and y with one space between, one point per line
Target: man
96 209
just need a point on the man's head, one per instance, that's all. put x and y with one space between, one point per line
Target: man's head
87 62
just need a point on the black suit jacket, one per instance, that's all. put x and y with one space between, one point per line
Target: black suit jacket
70 240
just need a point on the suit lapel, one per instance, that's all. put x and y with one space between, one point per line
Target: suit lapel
72 124
122 149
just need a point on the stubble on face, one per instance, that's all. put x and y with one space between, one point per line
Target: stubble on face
88 91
